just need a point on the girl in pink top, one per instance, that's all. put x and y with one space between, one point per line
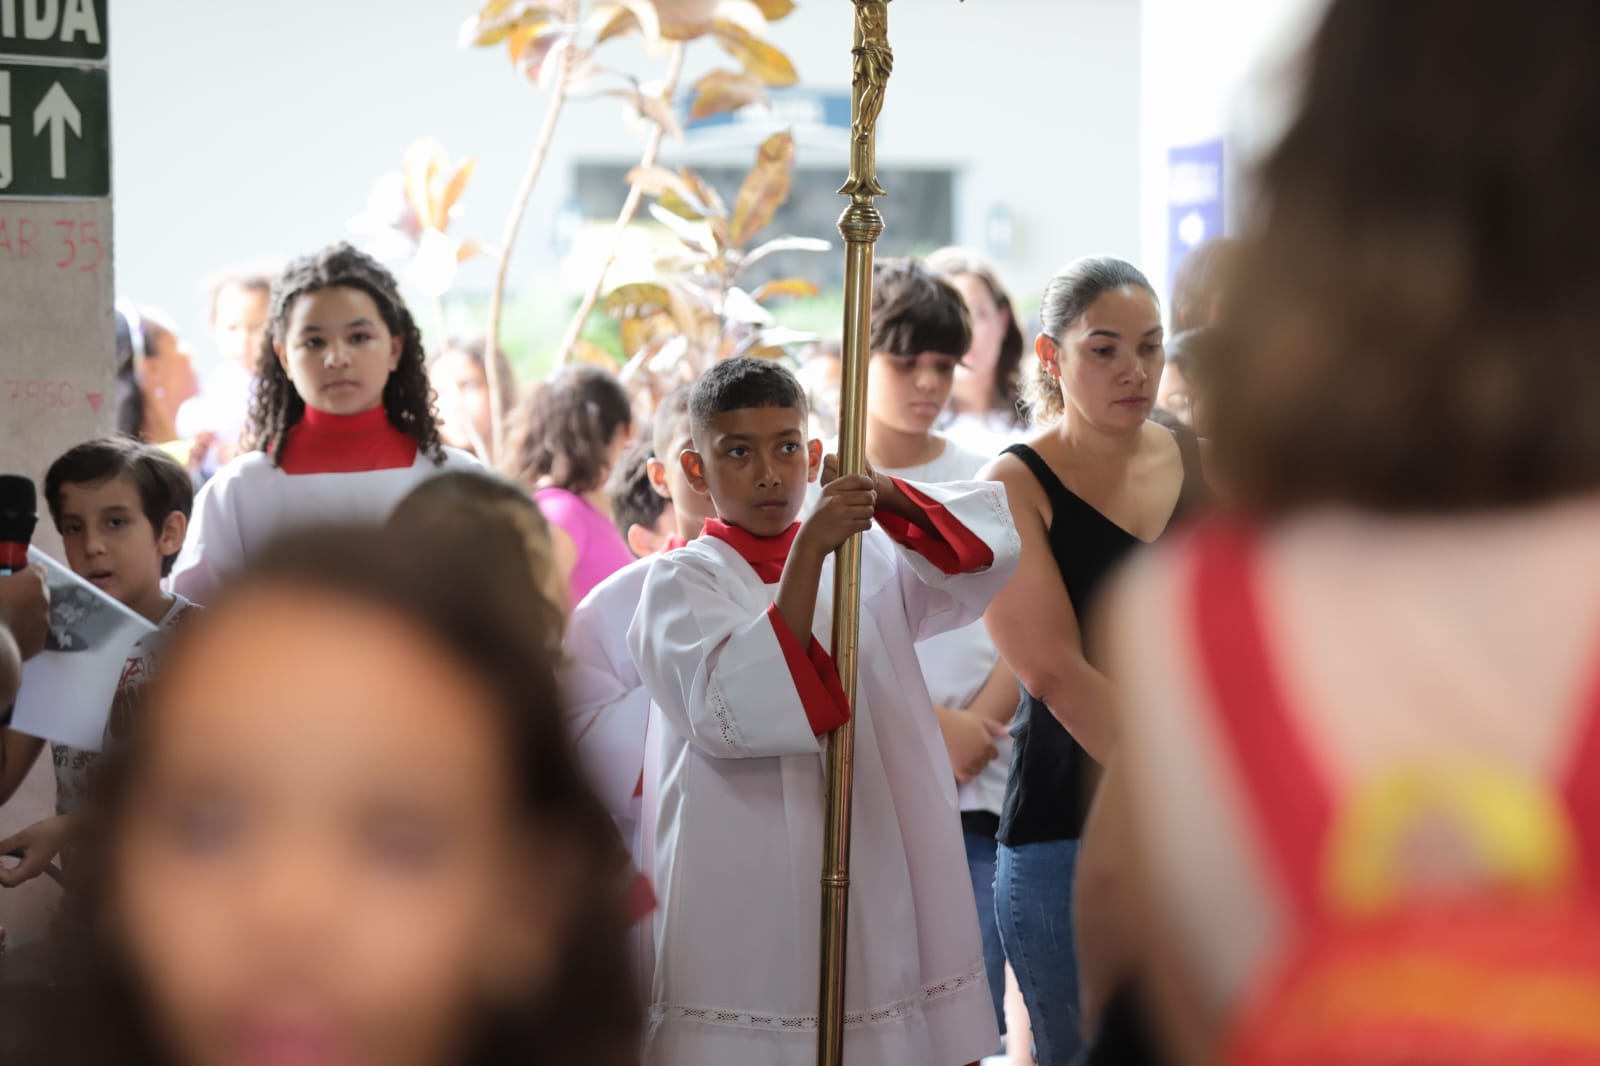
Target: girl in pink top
570 432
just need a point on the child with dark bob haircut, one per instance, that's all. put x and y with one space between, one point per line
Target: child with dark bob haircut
342 424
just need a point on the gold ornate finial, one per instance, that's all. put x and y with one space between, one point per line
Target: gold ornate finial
874 62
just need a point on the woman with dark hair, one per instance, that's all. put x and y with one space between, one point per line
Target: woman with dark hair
151 358
1202 290
985 404
1097 480
342 425
1356 808
1181 396
566 437
460 380
349 828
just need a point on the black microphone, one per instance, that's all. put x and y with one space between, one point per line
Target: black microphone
19 513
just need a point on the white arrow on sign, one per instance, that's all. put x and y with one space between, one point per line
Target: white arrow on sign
58 112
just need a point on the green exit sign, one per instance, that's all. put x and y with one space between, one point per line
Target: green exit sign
55 132
73 30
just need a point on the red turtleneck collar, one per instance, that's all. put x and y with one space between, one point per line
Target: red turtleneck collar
321 443
766 555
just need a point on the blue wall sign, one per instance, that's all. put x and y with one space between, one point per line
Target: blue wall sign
1195 197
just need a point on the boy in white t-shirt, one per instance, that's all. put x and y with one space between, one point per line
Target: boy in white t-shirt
920 330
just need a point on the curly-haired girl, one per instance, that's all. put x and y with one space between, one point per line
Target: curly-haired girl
342 423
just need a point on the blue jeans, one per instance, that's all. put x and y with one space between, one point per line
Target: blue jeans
981 865
1033 905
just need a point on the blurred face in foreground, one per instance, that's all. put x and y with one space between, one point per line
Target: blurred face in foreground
320 862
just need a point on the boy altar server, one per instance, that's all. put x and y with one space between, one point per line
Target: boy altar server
729 639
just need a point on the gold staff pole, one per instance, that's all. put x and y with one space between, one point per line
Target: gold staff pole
860 225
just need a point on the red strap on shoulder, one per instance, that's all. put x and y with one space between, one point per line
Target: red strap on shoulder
1580 787
1285 788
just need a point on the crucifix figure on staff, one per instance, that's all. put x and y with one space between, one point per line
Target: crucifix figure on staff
874 62
861 225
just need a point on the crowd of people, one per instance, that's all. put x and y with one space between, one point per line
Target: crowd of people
1225 681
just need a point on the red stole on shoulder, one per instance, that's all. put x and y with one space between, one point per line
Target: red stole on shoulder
766 555
816 678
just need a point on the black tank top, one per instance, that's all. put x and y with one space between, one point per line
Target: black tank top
1052 777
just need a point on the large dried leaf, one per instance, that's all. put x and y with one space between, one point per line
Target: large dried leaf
723 91
610 20
498 19
692 210
685 20
690 265
583 73
591 353
618 17
745 13
425 160
765 188
739 306
668 355
721 234
472 249
784 244
649 19
661 112
693 309
641 331
636 333
670 190
706 193
682 228
758 57
792 287
519 39
636 300
651 105
450 195
775 9
541 59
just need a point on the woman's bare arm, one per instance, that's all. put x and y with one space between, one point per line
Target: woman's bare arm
1034 625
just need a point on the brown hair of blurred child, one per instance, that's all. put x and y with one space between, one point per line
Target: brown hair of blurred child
480 514
1437 284
352 828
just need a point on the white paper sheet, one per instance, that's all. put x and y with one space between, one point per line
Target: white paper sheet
67 688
